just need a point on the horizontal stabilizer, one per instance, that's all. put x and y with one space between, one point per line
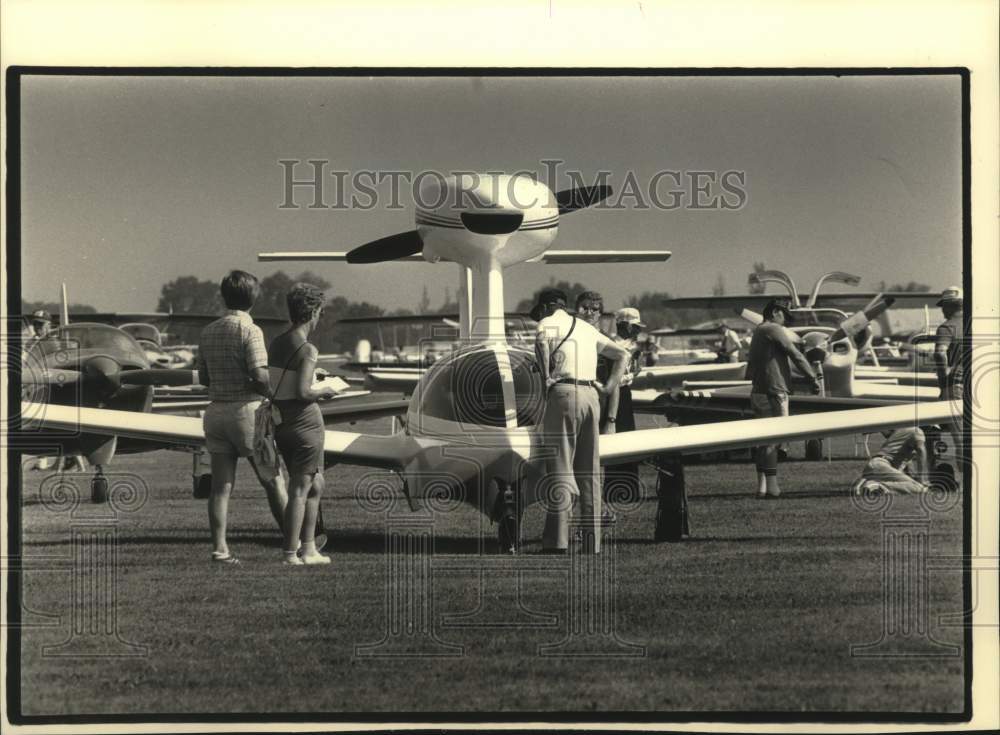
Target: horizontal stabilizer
548 257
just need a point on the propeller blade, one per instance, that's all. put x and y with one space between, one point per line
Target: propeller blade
159 376
856 322
50 376
392 247
570 200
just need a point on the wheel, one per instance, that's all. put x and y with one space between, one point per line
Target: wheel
814 450
943 476
509 520
99 488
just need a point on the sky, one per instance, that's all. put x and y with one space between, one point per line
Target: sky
130 182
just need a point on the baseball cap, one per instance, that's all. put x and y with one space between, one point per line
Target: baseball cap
629 315
41 316
951 295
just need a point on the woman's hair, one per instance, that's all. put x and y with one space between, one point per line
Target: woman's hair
589 296
303 299
239 290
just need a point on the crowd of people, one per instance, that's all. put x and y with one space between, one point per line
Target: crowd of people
587 376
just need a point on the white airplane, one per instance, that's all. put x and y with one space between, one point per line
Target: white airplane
472 426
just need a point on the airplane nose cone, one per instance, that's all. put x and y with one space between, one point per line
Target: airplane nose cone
101 373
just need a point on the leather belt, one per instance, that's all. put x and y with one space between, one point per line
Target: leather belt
571 381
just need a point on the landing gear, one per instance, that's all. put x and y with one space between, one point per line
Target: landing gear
99 487
814 450
508 516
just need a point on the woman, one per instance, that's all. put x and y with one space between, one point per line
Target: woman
299 434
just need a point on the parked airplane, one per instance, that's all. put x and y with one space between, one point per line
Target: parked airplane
472 427
84 365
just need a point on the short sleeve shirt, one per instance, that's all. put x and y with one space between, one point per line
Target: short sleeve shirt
230 348
950 334
576 358
901 445
767 363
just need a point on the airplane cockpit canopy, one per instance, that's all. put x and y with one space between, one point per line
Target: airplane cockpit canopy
468 388
145 332
92 338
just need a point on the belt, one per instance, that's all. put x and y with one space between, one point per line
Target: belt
571 381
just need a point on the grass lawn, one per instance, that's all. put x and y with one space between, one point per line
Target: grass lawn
758 611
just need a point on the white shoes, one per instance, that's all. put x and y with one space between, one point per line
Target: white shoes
316 558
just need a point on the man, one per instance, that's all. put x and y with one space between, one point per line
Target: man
567 349
768 369
884 471
232 363
949 351
729 344
41 325
589 307
624 479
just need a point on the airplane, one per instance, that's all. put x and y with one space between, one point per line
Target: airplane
471 431
91 365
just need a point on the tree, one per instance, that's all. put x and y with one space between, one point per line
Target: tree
274 290
571 289
27 307
911 287
753 286
719 289
424 305
189 295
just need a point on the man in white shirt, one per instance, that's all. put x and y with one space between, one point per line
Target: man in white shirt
567 349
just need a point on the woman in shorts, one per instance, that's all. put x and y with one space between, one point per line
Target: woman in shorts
300 429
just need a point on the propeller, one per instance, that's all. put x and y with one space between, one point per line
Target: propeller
854 324
387 248
571 200
405 244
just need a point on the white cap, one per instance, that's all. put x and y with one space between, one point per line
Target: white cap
952 295
629 315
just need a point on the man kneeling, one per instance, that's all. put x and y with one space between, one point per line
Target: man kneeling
886 467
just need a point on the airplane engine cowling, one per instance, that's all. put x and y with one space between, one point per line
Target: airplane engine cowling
838 368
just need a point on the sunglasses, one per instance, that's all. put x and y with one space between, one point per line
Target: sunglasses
591 307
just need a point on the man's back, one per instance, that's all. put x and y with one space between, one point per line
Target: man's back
951 333
767 362
576 357
229 349
901 445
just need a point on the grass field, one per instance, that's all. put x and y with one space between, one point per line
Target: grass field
757 611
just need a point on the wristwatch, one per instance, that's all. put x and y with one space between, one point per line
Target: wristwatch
612 419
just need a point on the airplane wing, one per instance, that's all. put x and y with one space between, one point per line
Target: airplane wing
634 445
723 404
349 406
387 452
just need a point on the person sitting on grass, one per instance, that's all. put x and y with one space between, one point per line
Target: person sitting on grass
884 472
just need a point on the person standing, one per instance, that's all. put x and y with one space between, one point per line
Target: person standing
232 364
949 357
729 344
300 431
567 349
768 369
625 478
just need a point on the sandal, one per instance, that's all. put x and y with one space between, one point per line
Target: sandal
226 559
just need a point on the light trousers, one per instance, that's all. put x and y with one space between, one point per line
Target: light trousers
571 431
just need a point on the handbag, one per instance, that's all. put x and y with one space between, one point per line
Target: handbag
266 456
